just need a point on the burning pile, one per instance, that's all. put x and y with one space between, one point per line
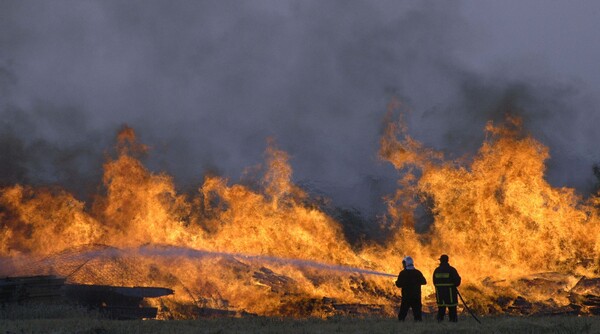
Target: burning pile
268 249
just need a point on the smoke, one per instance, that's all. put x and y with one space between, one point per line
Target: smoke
205 83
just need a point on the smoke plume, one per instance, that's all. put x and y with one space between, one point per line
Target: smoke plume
205 84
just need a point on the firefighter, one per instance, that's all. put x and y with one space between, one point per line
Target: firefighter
446 280
410 281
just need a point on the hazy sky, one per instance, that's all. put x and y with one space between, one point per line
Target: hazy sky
204 83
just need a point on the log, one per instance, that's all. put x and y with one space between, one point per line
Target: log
22 289
129 313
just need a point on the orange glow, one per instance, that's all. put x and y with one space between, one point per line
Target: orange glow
254 248
497 216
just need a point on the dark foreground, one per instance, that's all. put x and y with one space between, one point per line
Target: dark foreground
21 319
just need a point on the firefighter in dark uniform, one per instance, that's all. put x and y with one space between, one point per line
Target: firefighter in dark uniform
410 281
446 280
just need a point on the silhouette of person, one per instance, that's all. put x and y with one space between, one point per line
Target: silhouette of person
410 281
446 280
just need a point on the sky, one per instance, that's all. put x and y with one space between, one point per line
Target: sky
205 83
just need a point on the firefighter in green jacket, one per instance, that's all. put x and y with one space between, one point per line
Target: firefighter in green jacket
446 280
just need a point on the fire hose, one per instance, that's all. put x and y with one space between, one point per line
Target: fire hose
467 307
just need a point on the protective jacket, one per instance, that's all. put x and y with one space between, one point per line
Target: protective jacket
410 281
446 279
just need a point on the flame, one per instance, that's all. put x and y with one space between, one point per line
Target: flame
496 215
43 221
266 248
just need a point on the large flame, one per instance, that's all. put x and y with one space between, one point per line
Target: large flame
498 216
266 248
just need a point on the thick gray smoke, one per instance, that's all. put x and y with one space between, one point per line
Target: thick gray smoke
204 83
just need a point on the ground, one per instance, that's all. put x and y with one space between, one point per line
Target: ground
22 319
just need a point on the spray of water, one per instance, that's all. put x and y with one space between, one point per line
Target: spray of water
194 253
190 253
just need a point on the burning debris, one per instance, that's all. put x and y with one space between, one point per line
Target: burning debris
585 296
548 293
266 249
284 295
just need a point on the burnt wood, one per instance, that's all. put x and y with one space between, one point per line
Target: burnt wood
116 302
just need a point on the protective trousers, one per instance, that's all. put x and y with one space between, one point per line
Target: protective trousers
407 304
